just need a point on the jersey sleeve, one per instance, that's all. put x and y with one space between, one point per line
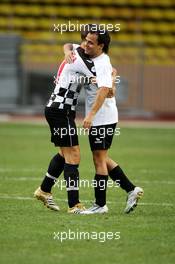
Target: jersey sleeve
104 77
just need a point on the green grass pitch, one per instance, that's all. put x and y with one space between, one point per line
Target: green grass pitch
27 228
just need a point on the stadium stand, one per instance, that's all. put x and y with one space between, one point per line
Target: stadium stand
148 23
146 36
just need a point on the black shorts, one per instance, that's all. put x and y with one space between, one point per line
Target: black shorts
100 137
62 127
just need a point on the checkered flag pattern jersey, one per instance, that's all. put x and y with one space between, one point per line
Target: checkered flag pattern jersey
70 79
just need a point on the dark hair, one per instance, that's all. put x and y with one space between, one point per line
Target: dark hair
85 30
103 36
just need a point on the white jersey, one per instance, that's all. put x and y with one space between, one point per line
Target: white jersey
108 113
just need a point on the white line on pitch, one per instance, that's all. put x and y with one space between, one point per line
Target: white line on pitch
154 182
8 197
26 170
3 170
38 179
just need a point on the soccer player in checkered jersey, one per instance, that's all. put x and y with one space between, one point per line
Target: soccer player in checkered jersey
60 115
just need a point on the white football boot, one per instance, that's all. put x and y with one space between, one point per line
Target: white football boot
95 209
132 199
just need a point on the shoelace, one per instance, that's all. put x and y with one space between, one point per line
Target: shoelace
94 207
50 201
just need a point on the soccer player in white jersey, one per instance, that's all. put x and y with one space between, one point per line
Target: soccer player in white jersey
102 115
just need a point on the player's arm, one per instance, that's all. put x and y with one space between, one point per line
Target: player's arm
69 49
104 82
68 52
100 97
112 91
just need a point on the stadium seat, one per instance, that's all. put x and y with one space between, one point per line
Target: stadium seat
143 23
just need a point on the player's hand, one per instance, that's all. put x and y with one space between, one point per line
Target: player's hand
69 56
114 73
87 122
111 93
